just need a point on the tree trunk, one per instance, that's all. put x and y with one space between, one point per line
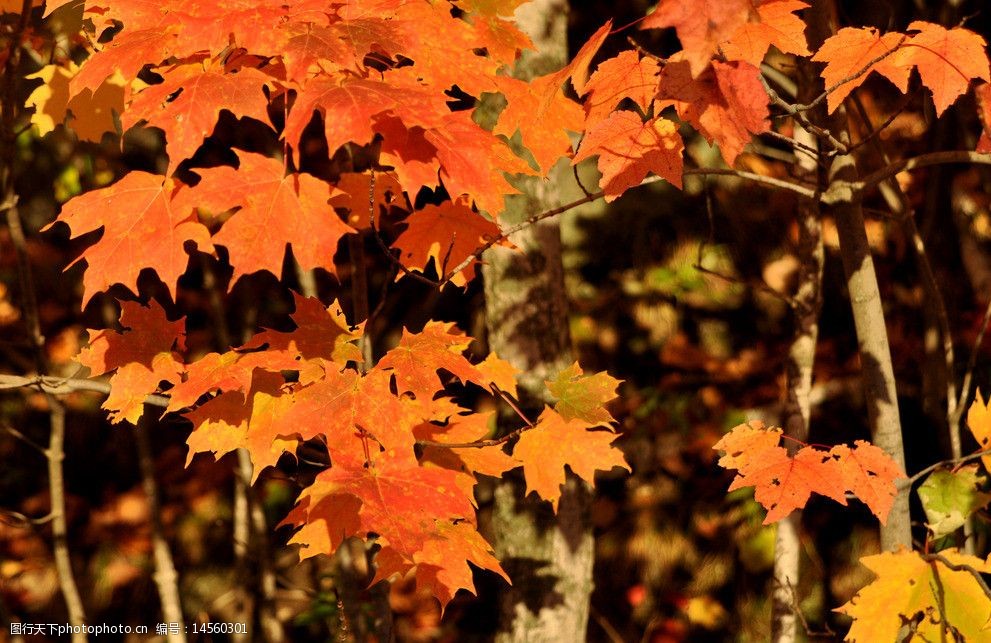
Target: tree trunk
548 557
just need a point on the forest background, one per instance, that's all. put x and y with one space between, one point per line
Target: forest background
692 298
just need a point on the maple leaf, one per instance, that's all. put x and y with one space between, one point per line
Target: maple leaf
475 162
554 443
626 76
949 498
747 442
983 95
849 51
776 24
234 420
441 566
348 410
417 357
577 69
448 233
353 192
499 372
397 499
128 53
322 332
52 105
979 423
142 227
142 356
275 210
190 116
785 482
583 397
321 335
463 429
700 26
907 585
870 474
726 104
543 115
309 44
629 150
410 153
947 60
349 106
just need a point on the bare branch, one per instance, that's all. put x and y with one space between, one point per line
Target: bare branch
921 161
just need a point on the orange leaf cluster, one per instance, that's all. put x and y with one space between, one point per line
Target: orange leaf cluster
784 482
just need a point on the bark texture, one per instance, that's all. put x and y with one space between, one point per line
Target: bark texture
548 557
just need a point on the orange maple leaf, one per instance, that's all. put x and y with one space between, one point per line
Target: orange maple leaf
190 116
701 26
554 443
870 474
629 150
250 421
626 76
776 24
784 482
947 60
275 210
142 227
142 357
448 234
393 496
418 356
848 53
726 104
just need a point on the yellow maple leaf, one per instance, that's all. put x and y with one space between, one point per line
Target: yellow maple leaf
979 423
928 593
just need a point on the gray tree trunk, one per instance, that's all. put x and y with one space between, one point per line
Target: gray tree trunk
548 557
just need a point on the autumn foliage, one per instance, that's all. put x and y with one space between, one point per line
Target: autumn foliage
394 84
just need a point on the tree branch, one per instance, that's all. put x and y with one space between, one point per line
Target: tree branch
921 161
65 385
953 462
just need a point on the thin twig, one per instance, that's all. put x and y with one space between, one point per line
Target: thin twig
972 363
921 161
961 568
843 81
951 463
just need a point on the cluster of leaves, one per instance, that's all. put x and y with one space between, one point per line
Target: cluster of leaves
376 73
784 481
405 456
380 76
933 592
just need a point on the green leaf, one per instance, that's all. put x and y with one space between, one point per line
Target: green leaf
949 497
583 397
